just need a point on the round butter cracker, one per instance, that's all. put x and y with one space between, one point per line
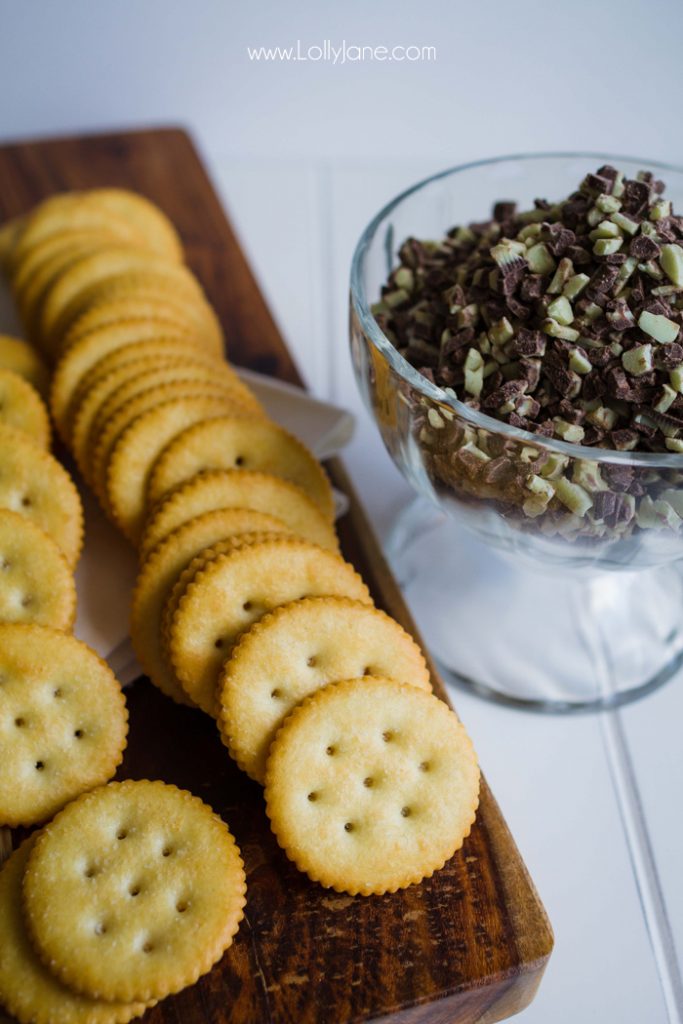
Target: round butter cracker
238 588
22 408
371 785
239 488
36 582
159 574
63 721
231 443
35 485
134 891
28 990
296 650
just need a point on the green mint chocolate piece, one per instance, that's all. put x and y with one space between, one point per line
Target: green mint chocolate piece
404 278
637 360
676 379
607 246
656 515
501 331
473 360
560 310
396 298
529 232
626 224
658 327
474 449
556 330
507 252
675 499
537 485
602 417
607 204
571 432
565 269
586 474
474 381
618 186
605 229
434 419
674 444
554 465
579 362
660 208
666 399
539 259
573 497
575 285
671 261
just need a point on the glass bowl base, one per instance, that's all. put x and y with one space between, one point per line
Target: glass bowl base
530 636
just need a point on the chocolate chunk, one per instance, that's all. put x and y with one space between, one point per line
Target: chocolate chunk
579 255
618 385
599 357
602 280
504 211
545 429
504 393
529 343
511 275
668 357
607 171
604 504
635 198
566 382
593 435
644 248
499 471
623 512
597 184
561 238
517 308
530 370
623 439
593 386
531 287
620 316
618 476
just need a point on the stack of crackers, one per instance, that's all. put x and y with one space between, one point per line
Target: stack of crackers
244 607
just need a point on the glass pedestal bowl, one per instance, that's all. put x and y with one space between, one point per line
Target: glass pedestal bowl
535 606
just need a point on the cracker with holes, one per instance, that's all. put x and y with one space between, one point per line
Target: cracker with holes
28 990
126 468
125 297
238 588
93 347
134 891
371 785
106 392
20 357
197 565
239 488
22 408
63 721
229 443
35 485
160 572
68 295
36 582
296 650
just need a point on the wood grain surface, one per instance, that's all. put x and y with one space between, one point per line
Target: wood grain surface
470 944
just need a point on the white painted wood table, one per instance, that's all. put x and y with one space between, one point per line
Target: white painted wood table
595 802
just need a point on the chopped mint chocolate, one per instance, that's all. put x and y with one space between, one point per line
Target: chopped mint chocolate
565 320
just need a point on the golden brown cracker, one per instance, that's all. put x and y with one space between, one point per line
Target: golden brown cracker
371 785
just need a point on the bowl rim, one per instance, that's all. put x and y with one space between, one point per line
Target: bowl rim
416 380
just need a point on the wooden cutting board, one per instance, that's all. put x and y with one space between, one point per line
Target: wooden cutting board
470 944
